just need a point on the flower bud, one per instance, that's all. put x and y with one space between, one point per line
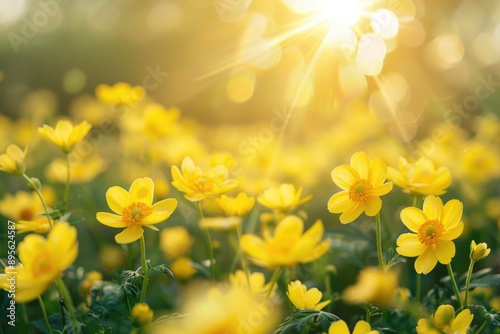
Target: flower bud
35 184
142 315
478 252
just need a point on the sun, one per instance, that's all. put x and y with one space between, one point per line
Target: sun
339 12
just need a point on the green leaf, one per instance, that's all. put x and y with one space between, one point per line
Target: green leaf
306 319
162 269
490 316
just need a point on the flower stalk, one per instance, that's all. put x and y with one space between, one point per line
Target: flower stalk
208 239
36 189
379 242
454 284
145 271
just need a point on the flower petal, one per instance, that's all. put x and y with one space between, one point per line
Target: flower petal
339 202
452 213
142 190
254 247
344 176
373 204
360 162
110 220
362 327
413 218
426 261
130 234
382 190
378 172
168 205
352 214
453 232
462 322
338 327
445 251
289 226
117 198
433 207
312 297
409 245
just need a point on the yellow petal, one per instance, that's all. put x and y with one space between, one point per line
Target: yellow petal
339 202
454 232
452 213
110 220
426 261
142 190
433 207
413 218
373 206
445 251
317 252
378 172
360 162
382 190
352 214
117 198
289 226
338 327
409 245
168 205
130 234
362 327
344 176
254 247
462 322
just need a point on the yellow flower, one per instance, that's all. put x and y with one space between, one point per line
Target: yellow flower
182 268
420 178
220 223
282 198
444 321
238 206
21 206
288 246
42 261
134 209
303 298
197 185
92 278
478 252
175 241
12 161
141 315
80 172
373 286
255 283
159 122
340 327
363 184
65 135
38 224
121 94
433 229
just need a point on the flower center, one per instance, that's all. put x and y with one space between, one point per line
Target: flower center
135 212
204 185
42 265
430 232
360 190
26 214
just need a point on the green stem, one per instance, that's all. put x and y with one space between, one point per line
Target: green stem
68 183
242 257
208 238
416 201
482 327
379 242
274 279
144 271
68 302
467 282
33 186
44 311
454 284
418 288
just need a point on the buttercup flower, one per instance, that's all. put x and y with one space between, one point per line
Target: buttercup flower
141 315
238 206
444 321
197 185
182 268
21 206
282 198
433 229
363 184
81 172
65 135
255 283
288 246
159 122
134 210
42 261
12 161
420 178
120 94
479 251
38 224
175 241
340 327
305 299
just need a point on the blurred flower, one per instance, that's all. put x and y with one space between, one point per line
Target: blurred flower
282 198
479 251
161 188
12 161
255 283
222 158
433 229
65 135
288 246
373 286
38 224
420 178
305 299
197 185
159 122
134 210
220 223
363 184
42 261
120 94
182 268
175 241
141 315
340 327
21 206
479 162
83 171
444 321
91 279
238 206
111 257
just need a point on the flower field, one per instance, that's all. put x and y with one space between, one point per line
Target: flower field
250 167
